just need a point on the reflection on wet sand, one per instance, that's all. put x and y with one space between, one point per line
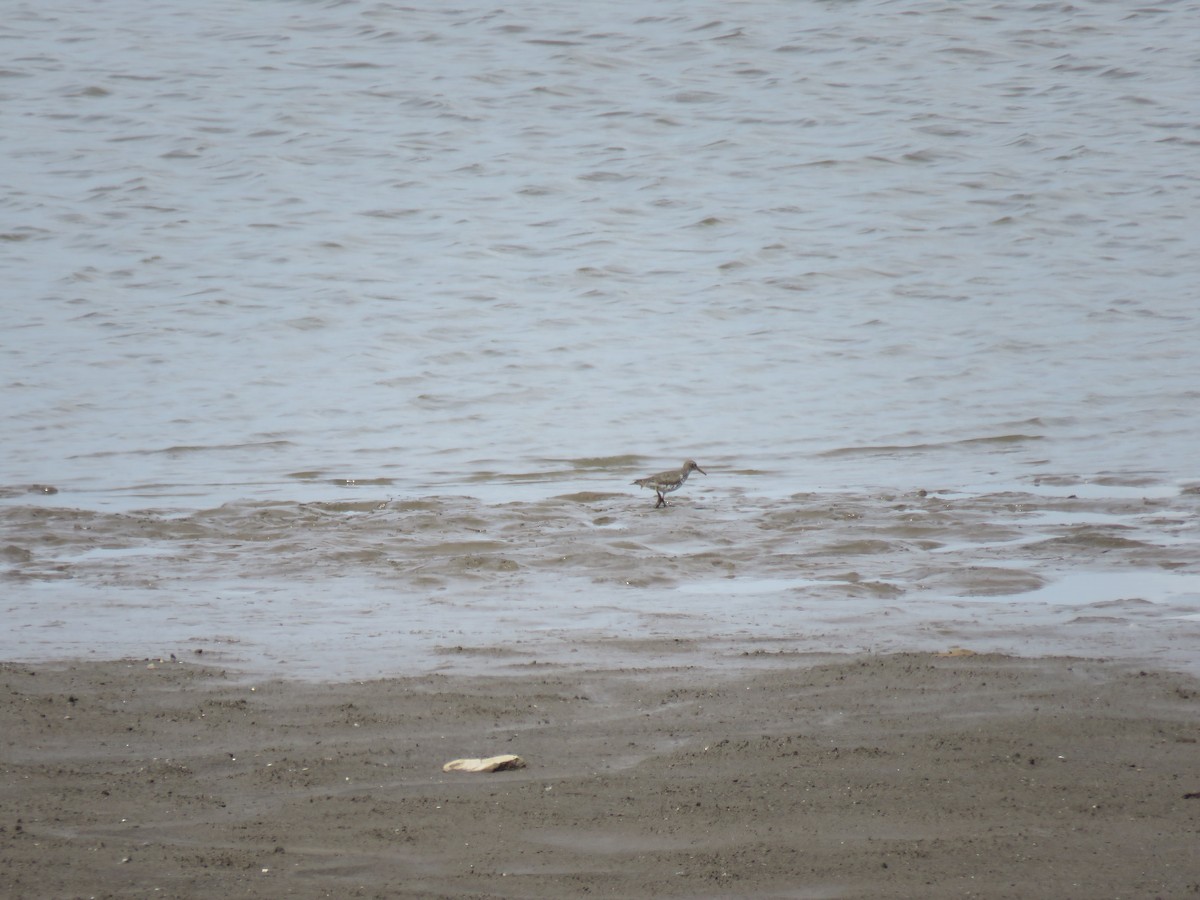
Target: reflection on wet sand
378 586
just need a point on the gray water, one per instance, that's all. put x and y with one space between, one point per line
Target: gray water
349 256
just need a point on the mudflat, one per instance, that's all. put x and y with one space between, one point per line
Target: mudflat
907 775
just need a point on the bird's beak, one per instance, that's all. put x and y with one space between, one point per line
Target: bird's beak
701 471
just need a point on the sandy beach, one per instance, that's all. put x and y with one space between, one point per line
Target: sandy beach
340 334
907 775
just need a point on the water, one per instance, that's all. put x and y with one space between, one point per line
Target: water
368 253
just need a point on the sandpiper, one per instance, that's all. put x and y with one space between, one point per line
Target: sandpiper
671 480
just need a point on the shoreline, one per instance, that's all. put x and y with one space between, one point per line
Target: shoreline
905 775
363 589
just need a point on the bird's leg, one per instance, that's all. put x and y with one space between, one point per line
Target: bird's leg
662 501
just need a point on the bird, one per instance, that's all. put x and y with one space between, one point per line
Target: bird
671 480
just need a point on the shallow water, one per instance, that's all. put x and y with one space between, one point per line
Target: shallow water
364 589
321 255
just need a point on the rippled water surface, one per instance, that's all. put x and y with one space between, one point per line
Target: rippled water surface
280 266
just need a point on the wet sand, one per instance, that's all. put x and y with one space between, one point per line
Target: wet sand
907 775
370 587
